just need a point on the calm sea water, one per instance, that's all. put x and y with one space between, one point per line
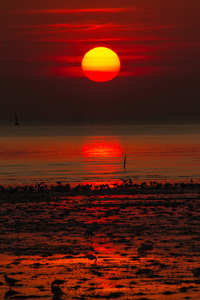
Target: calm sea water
83 152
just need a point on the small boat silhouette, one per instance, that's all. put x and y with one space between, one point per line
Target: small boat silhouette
16 120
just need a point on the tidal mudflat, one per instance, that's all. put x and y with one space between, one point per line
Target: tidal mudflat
128 245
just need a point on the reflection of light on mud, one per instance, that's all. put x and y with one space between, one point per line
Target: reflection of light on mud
109 248
167 220
99 185
105 284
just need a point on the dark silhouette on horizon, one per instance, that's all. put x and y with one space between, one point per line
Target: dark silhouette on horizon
16 120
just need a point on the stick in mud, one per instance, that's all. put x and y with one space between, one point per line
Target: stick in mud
125 161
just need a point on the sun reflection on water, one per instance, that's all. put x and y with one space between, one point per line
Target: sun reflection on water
101 148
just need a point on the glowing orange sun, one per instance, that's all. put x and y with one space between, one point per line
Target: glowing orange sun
101 64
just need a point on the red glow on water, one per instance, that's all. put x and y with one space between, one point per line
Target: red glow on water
102 149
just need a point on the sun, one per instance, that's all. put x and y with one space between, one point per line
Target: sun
101 64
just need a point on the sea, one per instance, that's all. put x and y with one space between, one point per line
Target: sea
92 152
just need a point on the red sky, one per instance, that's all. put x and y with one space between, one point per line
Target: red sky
42 44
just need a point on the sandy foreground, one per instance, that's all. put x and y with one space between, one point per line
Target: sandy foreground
141 245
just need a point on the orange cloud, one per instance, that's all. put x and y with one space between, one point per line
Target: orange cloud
65 27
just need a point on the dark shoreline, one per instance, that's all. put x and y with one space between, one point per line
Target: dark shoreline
88 190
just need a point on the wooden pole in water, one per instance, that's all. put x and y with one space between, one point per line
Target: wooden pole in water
125 161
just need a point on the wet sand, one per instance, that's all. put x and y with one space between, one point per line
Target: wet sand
145 243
